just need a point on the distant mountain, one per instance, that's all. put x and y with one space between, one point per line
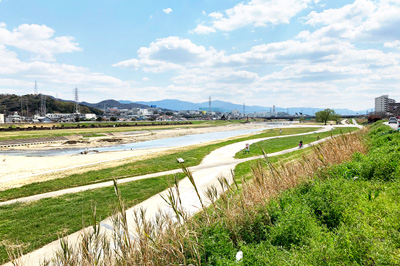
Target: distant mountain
114 104
178 105
175 105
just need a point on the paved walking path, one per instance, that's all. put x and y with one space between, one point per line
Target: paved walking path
218 163
219 157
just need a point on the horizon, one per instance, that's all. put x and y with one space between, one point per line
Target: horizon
338 55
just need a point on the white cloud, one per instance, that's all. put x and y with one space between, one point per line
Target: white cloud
201 29
171 53
395 44
148 65
363 20
257 13
167 10
37 39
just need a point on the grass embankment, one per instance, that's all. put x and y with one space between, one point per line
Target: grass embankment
240 217
44 220
338 205
348 215
274 145
35 224
163 163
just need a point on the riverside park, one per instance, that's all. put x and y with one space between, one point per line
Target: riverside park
116 196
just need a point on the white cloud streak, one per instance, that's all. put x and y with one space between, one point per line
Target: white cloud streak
167 10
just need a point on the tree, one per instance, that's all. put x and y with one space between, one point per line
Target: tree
325 115
302 119
336 118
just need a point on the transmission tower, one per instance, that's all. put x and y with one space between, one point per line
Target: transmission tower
76 101
244 109
43 110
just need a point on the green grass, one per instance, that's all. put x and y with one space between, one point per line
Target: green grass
163 163
274 145
243 170
328 222
35 224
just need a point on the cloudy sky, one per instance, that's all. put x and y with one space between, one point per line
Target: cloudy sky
310 53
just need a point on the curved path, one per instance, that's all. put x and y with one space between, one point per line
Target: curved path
219 162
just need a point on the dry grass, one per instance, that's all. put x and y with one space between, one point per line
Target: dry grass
172 239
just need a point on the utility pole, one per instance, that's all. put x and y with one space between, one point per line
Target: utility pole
244 109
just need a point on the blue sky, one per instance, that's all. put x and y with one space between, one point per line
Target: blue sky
311 53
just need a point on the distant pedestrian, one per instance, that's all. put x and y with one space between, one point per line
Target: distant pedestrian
300 144
318 137
280 131
247 148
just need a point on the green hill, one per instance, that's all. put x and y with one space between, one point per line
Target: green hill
29 104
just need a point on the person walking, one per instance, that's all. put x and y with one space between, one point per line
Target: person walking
247 148
300 144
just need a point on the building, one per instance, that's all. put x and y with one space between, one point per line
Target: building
382 104
1 119
15 118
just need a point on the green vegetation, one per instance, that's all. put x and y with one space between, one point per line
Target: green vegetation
348 215
239 216
327 222
163 163
35 224
48 218
260 224
326 115
274 145
337 205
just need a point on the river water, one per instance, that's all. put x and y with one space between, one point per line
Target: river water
158 143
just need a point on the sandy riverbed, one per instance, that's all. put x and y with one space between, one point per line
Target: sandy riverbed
19 170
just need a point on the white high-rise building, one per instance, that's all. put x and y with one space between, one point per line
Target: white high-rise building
382 103
1 118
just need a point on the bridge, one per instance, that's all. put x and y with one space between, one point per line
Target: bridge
294 117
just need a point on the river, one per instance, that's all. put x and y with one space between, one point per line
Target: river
157 143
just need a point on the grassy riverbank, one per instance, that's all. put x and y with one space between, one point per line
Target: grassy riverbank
35 224
93 129
162 163
337 205
241 217
274 145
46 219
348 214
